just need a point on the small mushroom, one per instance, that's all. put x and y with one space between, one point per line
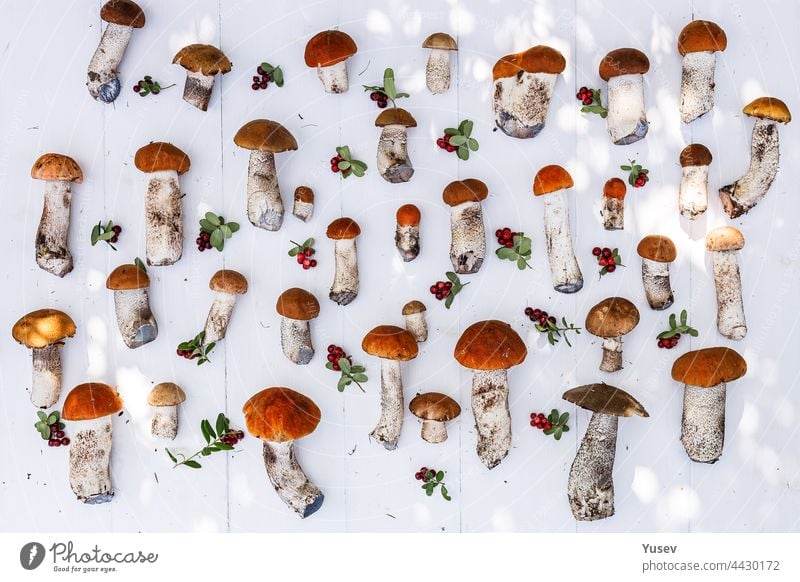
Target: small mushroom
165 398
134 319
414 314
467 232
328 52
434 410
738 198
611 319
394 164
297 307
704 374
722 244
303 203
552 182
279 416
392 345
52 237
523 88
406 237
226 284
163 163
264 138
657 253
91 407
43 332
437 71
343 232
623 69
122 17
698 43
614 204
591 478
693 194
202 63
489 349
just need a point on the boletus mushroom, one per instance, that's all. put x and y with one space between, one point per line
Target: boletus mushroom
279 416
226 285
343 232
297 307
613 212
698 44
414 314
328 51
623 69
489 349
434 410
91 407
657 253
611 319
437 71
165 398
693 193
406 235
467 231
202 62
394 164
135 321
722 244
591 478
303 203
704 374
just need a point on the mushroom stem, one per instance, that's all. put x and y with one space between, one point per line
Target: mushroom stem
345 279
334 77
434 431
387 431
564 269
437 71
697 84
730 307
393 163
52 242
102 81
264 203
417 326
165 422
290 482
703 422
613 213
693 194
302 210
521 103
612 354
492 417
739 197
467 238
296 340
46 381
657 288
163 219
627 121
591 483
406 240
219 316
89 455
197 89
134 319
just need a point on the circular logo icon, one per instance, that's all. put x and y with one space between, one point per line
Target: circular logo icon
31 555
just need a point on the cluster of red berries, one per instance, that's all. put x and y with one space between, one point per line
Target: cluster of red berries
148 80
203 241
605 258
441 289
444 143
232 438
335 165
540 421
380 99
585 96
669 342
335 353
260 81
57 437
640 180
117 230
304 259
187 354
422 474
539 316
505 237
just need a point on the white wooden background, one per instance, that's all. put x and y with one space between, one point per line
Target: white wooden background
45 47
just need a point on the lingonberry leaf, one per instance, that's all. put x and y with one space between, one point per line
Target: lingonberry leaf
473 144
461 140
220 423
192 464
463 153
451 131
457 140
344 165
217 240
138 262
171 456
216 441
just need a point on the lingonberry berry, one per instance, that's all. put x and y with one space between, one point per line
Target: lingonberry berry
65 441
596 251
611 268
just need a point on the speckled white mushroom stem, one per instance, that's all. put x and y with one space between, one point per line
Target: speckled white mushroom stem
730 308
197 89
52 237
627 120
437 71
345 279
393 163
134 319
264 203
739 197
290 482
467 238
703 422
417 326
102 80
591 482
303 210
433 431
697 84
219 316
657 288
46 381
334 78
387 431
163 218
165 422
613 213
492 417
612 354
521 102
89 455
693 193
564 268
296 340
406 239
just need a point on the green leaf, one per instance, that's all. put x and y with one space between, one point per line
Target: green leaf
344 165
388 84
212 218
563 418
684 317
631 180
360 377
42 415
457 140
329 365
171 456
224 446
226 231
277 76
524 245
138 262
343 151
205 451
221 424
233 226
672 322
473 144
217 240
463 153
206 225
439 475
52 418
344 364
342 384
95 234
557 433
205 429
192 464
549 431
521 264
466 127
293 252
359 168
506 253
692 332
451 131
452 277
445 493
565 428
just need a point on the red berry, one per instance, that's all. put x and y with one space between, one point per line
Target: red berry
508 244
266 78
65 441
306 267
313 263
331 348
255 86
602 261
611 261
439 296
334 169
300 260
611 268
382 104
440 284
117 229
588 101
498 233
607 252
434 289
335 160
596 251
548 426
137 88
661 343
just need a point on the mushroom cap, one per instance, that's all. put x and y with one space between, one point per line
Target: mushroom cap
329 47
413 307
304 194
537 59
408 215
228 281
56 167
440 40
724 238
266 136
343 228
770 108
123 12
551 179
490 345
434 406
203 58
43 327
296 303
391 343
90 401
166 394
461 191
701 35
615 188
280 414
623 61
657 248
127 277
612 317
159 156
395 116
695 154
708 367
605 399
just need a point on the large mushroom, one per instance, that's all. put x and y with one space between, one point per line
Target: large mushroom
279 416
264 138
297 307
122 17
613 212
693 193
657 253
303 203
392 345
698 44
591 478
43 331
406 234
202 63
489 349
226 285
328 51
623 69
437 71
611 319
165 398
414 314
552 182
704 374
394 164
738 198
52 236
91 407
467 232
523 87
163 163
135 321
343 232
435 410
722 244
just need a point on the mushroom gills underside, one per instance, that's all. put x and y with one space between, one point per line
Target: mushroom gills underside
627 120
52 237
693 193
437 71
135 321
703 422
102 80
492 416
467 238
296 340
406 240
219 316
564 269
657 287
334 78
89 456
390 423
591 481
345 280
521 102
394 165
46 380
163 219
290 482
197 89
731 321
264 202
697 84
165 422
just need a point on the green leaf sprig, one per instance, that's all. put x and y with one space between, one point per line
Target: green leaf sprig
455 290
349 373
348 164
147 86
596 106
637 175
103 233
558 424
219 230
195 349
275 73
555 332
218 438
675 329
389 88
298 248
460 138
434 479
46 421
519 253
617 262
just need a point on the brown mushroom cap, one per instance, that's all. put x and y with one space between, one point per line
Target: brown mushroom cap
724 238
612 317
413 307
266 136
304 194
695 154
228 281
203 58
708 367
395 116
343 228
56 167
440 40
90 401
43 327
701 35
551 179
605 399
490 345
461 191
537 59
166 394
390 342
159 156
280 414
329 47
127 277
657 248
615 188
770 108
623 61
296 303
434 406
123 12
408 215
